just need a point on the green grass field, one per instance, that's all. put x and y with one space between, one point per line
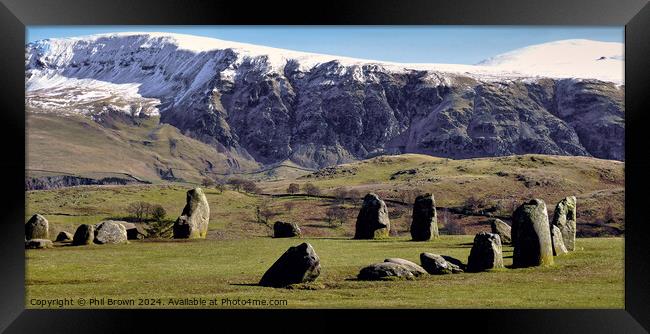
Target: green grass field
590 277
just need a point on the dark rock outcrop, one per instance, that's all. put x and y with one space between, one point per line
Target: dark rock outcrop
286 230
424 225
531 235
298 264
486 253
372 221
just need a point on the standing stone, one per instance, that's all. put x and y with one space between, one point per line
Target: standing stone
110 232
502 229
565 219
558 242
531 235
415 269
424 225
285 230
193 222
372 221
131 230
299 264
64 236
436 264
385 271
84 235
38 243
37 227
486 253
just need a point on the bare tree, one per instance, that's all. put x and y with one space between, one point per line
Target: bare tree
340 194
336 215
293 188
207 182
311 189
139 210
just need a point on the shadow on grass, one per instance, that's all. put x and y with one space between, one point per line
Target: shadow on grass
245 284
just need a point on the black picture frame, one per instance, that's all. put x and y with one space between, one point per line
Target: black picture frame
15 15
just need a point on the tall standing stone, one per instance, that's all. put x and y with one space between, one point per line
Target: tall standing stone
502 229
372 221
424 225
565 219
557 241
37 227
193 222
298 264
486 253
531 235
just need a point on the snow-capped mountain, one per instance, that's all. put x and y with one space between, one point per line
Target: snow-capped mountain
271 105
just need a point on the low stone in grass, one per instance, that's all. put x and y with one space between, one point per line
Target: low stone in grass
110 232
372 221
132 232
502 229
285 230
558 242
424 225
299 264
84 235
531 235
415 269
486 253
38 243
436 264
37 227
64 236
385 271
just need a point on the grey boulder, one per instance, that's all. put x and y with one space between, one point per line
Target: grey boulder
558 242
531 235
424 225
564 218
285 230
193 222
486 253
385 271
37 227
38 243
415 269
110 232
84 235
502 229
436 264
299 264
64 236
372 221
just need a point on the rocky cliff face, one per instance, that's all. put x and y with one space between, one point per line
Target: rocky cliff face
315 110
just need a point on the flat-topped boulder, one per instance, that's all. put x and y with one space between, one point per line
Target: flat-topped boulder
193 222
424 224
110 232
436 264
502 229
84 235
415 269
557 241
486 253
531 235
564 218
38 243
64 236
37 227
385 271
372 221
299 264
283 229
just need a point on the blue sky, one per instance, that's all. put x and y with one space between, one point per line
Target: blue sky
413 44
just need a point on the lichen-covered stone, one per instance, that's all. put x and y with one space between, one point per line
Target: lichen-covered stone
110 232
193 222
557 241
502 229
531 235
564 218
424 225
286 230
37 227
299 264
84 235
415 269
385 271
38 243
436 264
486 253
372 221
64 236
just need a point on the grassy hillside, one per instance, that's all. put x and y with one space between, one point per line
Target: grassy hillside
143 148
590 277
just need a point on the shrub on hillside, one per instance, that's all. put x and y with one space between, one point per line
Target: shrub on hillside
293 188
311 189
